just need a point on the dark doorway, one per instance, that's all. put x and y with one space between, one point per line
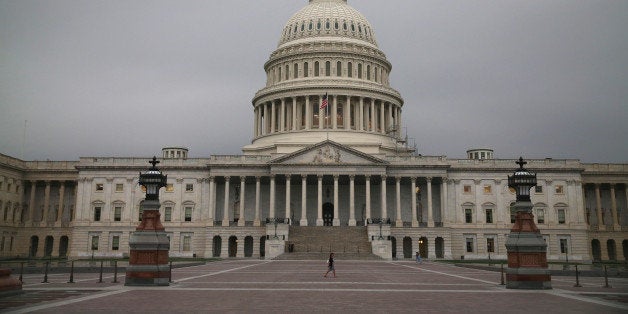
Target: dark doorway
440 247
423 247
328 214
262 247
624 245
393 244
63 247
596 250
217 246
32 252
48 246
248 246
233 246
407 247
612 250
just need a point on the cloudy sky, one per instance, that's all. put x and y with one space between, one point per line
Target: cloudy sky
538 78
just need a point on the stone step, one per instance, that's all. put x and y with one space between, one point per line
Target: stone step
350 240
312 256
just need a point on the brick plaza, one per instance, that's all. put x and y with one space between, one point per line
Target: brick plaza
299 286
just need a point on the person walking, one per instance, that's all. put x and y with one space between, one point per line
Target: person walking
418 257
330 265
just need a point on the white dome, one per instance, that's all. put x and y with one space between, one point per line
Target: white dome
328 18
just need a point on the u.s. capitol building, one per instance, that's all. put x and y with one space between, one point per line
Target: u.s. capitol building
326 154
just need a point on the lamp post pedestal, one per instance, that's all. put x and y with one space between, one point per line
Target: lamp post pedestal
9 285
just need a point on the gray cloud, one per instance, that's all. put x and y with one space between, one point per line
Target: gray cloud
97 78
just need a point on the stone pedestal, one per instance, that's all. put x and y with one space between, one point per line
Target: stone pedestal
149 244
274 247
382 248
527 253
9 285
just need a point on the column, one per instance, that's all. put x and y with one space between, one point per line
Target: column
46 211
265 124
346 112
334 113
336 221
430 217
598 207
413 193
241 219
352 221
384 210
303 221
319 206
368 197
31 204
614 208
399 221
288 198
225 215
240 246
443 203
321 113
273 117
61 200
373 120
256 222
308 113
294 114
282 115
255 122
212 201
382 117
271 212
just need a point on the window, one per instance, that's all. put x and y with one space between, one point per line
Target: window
189 187
487 189
2 244
168 213
169 187
489 215
327 68
317 68
368 72
538 189
466 189
540 216
563 246
187 240
97 211
512 212
94 243
117 213
490 245
468 215
295 70
338 68
188 213
306 70
469 242
100 187
559 189
115 243
350 69
119 187
561 215
287 72
8 187
140 213
359 70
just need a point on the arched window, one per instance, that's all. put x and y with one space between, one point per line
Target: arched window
279 74
376 70
336 25
316 68
352 27
338 68
296 71
327 25
310 26
327 68
303 26
359 70
306 70
368 72
350 69
344 25
318 25
287 72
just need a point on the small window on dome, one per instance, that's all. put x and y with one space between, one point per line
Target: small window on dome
352 27
359 28
289 31
327 25
303 27
336 25
344 25
295 29
338 68
318 25
359 70
311 24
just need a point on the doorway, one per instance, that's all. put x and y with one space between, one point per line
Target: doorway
328 214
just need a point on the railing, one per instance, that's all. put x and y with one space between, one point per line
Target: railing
277 220
374 221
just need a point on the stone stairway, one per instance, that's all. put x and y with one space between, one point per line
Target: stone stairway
315 243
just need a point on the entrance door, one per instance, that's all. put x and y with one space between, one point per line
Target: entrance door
328 214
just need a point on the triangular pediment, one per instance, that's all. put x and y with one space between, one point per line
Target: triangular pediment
328 153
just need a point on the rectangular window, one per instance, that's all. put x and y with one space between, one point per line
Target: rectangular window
168 214
467 189
2 244
561 216
100 187
538 189
9 187
559 189
117 213
489 216
187 240
468 215
540 216
169 187
487 189
490 245
119 187
94 243
188 213
97 211
469 242
115 243
189 187
563 246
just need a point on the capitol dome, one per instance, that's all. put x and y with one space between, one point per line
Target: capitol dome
327 18
327 80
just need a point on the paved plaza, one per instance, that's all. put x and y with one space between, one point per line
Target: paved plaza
299 286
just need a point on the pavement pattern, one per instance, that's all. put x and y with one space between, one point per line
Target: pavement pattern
299 286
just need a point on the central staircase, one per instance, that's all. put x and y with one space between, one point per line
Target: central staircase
315 243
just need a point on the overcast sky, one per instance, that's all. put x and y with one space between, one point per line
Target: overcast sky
538 78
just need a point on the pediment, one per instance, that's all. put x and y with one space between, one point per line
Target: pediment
328 153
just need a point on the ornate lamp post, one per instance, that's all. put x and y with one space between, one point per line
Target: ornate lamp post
149 244
527 251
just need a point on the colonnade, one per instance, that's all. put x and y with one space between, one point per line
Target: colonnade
49 214
613 202
345 112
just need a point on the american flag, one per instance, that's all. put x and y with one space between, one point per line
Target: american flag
324 102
